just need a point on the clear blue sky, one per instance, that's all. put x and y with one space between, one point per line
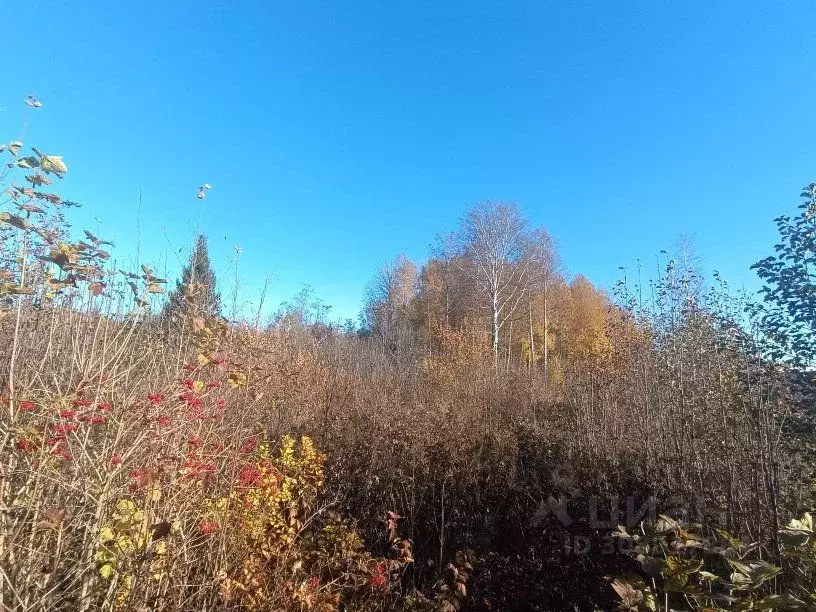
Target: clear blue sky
338 134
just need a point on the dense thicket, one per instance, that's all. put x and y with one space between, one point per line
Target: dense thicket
484 434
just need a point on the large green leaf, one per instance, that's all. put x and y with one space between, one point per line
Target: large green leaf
751 574
794 537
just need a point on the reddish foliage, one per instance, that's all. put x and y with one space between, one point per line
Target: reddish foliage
249 476
60 451
249 446
379 578
26 446
140 478
191 399
208 527
197 469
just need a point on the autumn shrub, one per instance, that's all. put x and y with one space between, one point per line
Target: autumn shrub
162 502
681 566
130 477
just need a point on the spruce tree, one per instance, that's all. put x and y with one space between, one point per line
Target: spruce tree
196 292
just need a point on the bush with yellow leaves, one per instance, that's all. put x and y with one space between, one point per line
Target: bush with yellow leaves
289 551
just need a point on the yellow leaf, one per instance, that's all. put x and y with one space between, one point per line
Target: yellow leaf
106 571
155 493
106 535
125 544
53 163
236 379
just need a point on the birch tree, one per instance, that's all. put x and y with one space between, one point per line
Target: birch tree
503 256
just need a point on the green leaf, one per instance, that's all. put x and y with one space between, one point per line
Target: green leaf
683 567
709 576
753 573
791 537
734 542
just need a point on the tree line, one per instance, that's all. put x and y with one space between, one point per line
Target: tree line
497 283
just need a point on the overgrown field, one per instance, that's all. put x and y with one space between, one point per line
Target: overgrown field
493 437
